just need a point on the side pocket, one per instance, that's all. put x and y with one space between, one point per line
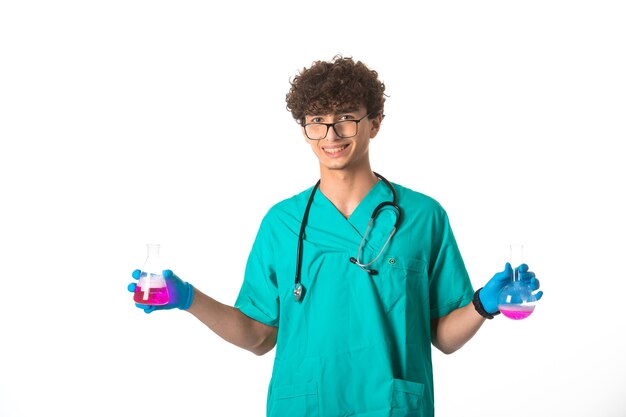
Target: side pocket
407 398
297 400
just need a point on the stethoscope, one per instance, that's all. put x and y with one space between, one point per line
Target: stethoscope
298 290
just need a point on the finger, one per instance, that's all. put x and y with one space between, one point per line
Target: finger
527 276
505 275
523 268
538 295
534 284
136 273
145 308
167 273
132 286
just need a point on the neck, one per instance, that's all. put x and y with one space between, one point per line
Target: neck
346 189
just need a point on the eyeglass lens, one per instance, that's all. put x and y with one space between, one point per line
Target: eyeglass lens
343 129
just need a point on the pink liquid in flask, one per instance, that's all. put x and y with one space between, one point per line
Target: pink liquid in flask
516 312
157 290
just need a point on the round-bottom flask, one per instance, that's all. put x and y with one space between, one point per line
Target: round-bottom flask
151 288
516 300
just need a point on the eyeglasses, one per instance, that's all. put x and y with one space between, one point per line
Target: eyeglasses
343 128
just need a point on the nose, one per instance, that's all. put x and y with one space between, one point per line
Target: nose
331 134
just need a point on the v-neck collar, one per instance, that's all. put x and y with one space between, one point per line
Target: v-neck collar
362 214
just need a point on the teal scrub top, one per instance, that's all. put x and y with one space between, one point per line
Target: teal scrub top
357 344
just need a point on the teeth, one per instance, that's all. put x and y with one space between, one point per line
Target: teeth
335 150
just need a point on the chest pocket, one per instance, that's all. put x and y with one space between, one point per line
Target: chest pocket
398 278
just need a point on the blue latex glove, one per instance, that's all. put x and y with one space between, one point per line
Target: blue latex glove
489 293
181 292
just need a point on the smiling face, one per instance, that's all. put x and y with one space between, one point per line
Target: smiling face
335 152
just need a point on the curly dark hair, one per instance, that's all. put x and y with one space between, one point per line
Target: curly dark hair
332 86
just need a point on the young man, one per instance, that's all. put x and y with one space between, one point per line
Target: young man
353 279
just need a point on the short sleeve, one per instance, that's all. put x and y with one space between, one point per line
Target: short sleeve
449 283
258 297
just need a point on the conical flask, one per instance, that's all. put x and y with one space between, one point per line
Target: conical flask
151 288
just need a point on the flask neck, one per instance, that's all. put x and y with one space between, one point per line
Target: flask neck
516 258
153 261
153 250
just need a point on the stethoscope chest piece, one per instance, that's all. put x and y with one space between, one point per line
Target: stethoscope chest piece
298 291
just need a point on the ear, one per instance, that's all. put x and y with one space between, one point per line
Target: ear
376 122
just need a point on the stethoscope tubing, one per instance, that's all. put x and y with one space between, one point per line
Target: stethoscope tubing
298 288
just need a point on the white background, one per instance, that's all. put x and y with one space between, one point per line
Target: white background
128 122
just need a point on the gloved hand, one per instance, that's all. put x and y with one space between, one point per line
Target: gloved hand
181 292
489 293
